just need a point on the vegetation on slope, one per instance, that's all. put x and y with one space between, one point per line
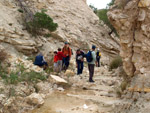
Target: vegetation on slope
102 14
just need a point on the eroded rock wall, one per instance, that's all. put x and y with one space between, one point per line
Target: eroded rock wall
77 24
131 20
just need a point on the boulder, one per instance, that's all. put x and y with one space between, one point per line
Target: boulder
44 87
57 79
69 73
35 99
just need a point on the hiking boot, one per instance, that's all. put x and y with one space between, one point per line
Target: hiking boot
91 81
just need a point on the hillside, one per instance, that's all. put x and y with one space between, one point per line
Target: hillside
77 24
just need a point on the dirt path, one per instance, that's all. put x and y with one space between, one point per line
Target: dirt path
84 97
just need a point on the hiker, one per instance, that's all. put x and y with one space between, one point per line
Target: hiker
55 61
91 59
79 61
98 56
40 61
67 55
60 59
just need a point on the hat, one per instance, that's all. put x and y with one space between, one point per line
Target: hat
66 43
98 49
78 50
93 46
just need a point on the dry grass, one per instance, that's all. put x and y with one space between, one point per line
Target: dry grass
115 63
3 55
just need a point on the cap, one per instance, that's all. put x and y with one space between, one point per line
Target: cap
93 46
66 43
78 49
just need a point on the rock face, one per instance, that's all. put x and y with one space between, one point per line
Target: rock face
77 24
36 99
131 20
132 24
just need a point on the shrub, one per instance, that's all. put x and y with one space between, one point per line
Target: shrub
93 8
3 55
102 14
13 78
41 21
12 92
21 75
20 10
47 35
118 92
34 76
123 85
117 62
111 3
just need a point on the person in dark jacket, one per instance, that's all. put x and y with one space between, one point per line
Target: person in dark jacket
91 65
98 57
79 61
40 61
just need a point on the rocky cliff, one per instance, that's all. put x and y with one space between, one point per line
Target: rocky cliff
131 19
77 25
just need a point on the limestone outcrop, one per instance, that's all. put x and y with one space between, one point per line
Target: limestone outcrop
131 20
77 25
132 24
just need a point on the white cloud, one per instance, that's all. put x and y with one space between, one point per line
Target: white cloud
100 4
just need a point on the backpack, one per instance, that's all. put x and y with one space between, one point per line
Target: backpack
89 57
98 55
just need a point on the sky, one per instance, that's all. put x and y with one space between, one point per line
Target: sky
100 4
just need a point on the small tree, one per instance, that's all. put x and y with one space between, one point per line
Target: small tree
102 14
41 21
93 8
111 3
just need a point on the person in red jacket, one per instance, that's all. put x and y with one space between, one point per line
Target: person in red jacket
67 55
55 62
60 56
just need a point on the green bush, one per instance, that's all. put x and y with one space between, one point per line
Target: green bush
20 10
35 76
41 21
93 8
102 14
47 35
117 62
21 75
111 3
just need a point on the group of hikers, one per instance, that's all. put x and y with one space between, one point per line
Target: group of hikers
62 60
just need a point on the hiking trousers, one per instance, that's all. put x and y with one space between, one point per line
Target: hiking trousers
59 63
98 62
66 61
79 68
91 71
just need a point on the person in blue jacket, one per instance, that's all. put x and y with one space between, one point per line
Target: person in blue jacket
40 61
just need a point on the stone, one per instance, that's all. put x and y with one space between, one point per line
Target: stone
69 73
144 3
35 99
60 89
142 15
44 87
58 79
2 97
